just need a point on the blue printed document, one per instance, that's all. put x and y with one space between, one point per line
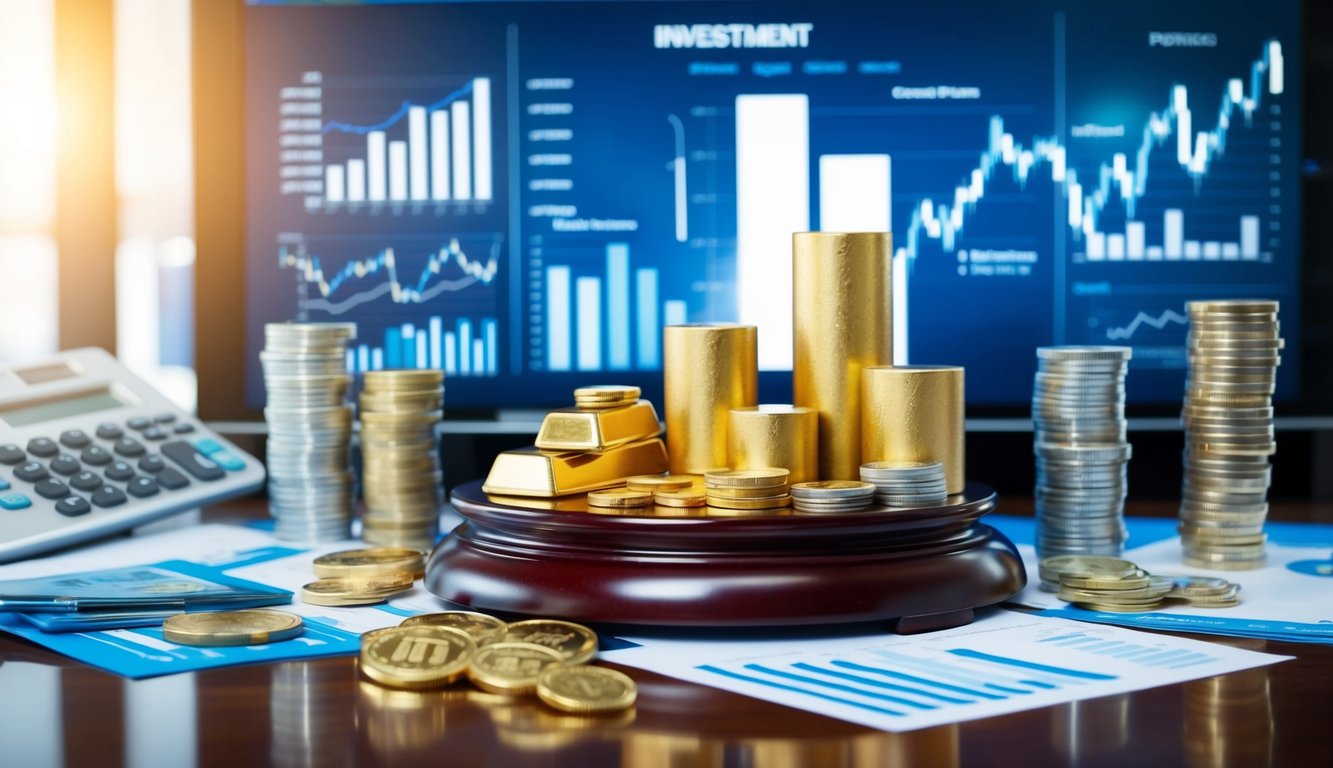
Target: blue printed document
172 585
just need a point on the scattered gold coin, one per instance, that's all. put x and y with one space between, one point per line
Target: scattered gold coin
483 629
659 483
417 657
575 642
221 628
335 591
586 689
511 668
370 562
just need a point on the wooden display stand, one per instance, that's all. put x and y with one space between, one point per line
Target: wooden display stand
923 569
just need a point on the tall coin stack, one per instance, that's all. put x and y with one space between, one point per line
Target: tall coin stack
1078 418
401 479
310 484
1228 419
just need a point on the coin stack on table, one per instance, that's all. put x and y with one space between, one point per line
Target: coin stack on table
1078 418
401 481
310 483
747 491
826 497
1234 350
907 484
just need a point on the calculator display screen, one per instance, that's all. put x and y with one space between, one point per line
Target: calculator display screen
36 412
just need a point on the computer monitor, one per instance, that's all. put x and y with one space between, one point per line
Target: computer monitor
525 193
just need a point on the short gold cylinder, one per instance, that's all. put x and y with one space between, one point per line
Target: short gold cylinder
915 413
842 307
710 369
784 436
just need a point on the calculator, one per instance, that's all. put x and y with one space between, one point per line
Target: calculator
88 449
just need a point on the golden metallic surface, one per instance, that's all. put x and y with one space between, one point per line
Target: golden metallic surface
546 474
775 436
511 668
417 657
586 689
710 369
842 311
576 643
483 629
655 483
915 413
577 429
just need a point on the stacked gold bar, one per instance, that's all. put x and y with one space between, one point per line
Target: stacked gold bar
784 436
710 369
843 312
914 413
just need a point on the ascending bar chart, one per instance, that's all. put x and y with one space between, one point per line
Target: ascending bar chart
463 348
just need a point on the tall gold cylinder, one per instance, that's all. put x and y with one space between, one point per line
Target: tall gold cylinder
915 413
784 436
842 307
710 369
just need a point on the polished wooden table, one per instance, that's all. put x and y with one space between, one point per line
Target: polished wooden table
54 711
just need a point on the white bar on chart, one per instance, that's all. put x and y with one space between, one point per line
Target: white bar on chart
854 193
464 347
375 175
423 351
1075 205
491 330
649 332
407 346
334 183
397 170
682 211
478 357
377 359
588 298
416 151
1155 253
1192 250
462 150
450 353
1096 250
1115 247
1199 163
1184 130
1249 237
1231 251
1212 250
1235 90
439 155
362 358
481 138
436 350
558 341
356 181
1173 233
1135 237
772 202
1275 66
617 306
349 360
674 312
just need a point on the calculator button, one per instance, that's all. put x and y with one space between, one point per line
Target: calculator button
228 461
129 447
86 481
164 418
64 464
207 446
198 465
14 501
43 446
32 472
139 423
142 486
119 471
108 496
95 455
155 433
183 428
110 431
73 506
11 454
75 438
151 464
52 489
171 479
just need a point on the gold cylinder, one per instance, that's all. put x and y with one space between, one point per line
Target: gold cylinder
915 413
710 369
842 308
784 436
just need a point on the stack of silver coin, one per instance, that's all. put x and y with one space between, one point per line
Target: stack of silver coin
906 483
1078 419
1234 350
310 484
401 480
826 497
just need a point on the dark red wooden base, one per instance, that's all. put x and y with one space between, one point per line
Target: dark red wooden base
923 569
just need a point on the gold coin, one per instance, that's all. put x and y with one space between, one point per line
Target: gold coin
747 478
511 668
620 497
403 379
766 492
483 629
767 502
249 627
575 642
1087 566
607 393
342 591
659 483
369 562
586 689
417 657
686 498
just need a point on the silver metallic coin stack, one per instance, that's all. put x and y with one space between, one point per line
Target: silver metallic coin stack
825 497
1079 438
310 483
1234 350
906 483
401 479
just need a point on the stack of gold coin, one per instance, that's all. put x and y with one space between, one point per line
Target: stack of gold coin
906 484
402 483
603 396
342 591
1233 351
823 497
1116 585
1205 591
619 499
363 576
227 628
747 489
656 483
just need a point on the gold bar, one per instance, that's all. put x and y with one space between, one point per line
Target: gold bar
842 308
915 413
710 369
577 429
784 436
546 474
